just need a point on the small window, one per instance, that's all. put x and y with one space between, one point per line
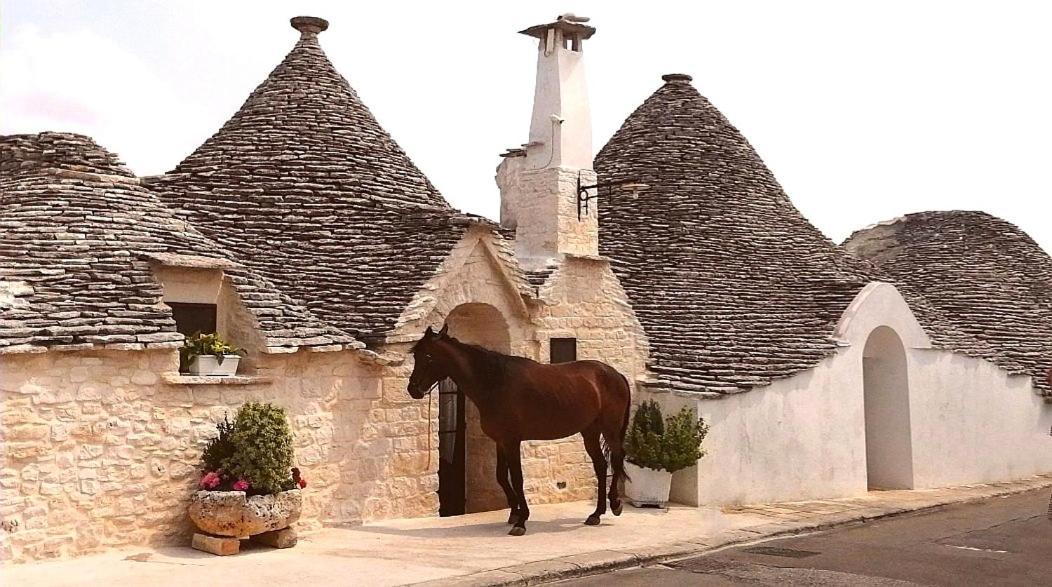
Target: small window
193 318
563 350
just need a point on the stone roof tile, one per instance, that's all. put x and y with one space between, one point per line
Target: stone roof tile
733 286
78 234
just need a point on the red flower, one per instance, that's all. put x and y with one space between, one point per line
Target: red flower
241 485
211 480
302 483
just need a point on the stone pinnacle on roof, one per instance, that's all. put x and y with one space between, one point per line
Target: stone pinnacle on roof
675 78
309 25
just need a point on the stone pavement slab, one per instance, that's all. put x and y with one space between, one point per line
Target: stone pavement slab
475 550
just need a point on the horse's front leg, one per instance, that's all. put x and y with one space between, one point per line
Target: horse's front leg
514 458
505 484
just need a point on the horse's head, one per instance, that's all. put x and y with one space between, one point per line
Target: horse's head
428 367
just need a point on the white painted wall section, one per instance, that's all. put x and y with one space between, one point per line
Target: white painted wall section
805 437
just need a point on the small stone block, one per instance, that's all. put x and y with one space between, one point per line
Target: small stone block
277 538
218 545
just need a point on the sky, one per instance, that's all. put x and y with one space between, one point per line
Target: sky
864 111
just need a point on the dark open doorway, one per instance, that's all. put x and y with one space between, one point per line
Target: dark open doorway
467 479
452 453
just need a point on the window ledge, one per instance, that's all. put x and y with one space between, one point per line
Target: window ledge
183 379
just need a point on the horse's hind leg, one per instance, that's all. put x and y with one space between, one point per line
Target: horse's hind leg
617 462
505 484
615 425
595 451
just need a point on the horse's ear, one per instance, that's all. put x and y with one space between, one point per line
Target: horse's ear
444 331
429 333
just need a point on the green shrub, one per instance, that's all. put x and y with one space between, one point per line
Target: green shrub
256 450
220 448
262 447
668 444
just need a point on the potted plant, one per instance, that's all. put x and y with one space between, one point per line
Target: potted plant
249 487
209 354
656 447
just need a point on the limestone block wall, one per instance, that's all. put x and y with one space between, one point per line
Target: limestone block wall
99 451
541 205
584 300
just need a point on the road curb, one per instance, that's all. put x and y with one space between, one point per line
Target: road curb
600 561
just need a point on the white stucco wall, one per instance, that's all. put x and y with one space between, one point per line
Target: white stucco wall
799 438
974 423
560 91
805 437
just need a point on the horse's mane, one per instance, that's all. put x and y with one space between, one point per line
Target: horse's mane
491 366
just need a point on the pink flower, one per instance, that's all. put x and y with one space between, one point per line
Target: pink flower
241 485
211 480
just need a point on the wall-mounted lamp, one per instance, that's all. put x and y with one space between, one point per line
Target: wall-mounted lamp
583 196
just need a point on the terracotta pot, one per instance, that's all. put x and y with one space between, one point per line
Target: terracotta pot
647 486
231 513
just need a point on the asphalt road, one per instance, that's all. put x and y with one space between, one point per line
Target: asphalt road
1002 541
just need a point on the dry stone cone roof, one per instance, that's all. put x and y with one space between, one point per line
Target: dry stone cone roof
982 275
78 235
310 191
733 286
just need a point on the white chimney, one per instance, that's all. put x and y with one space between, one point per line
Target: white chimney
539 182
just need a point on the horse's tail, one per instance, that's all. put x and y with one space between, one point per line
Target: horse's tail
619 464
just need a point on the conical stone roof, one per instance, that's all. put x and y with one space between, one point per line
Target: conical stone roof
308 189
733 286
306 125
982 274
78 236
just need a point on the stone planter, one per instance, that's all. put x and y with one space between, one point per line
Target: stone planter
208 365
224 517
647 486
231 513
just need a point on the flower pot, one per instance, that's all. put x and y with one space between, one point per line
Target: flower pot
208 365
231 513
647 487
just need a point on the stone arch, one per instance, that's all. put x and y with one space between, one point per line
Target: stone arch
484 325
886 400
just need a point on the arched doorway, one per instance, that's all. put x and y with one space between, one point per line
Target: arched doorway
467 457
889 450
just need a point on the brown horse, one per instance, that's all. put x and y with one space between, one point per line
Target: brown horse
519 399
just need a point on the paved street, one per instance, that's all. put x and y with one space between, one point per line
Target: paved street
949 546
1000 541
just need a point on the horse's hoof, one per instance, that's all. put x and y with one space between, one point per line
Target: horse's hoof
513 519
517 531
616 507
593 520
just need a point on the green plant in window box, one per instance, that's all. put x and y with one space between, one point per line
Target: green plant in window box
200 344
